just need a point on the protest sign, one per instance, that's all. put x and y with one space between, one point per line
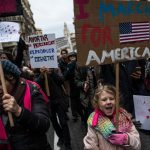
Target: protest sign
142 110
9 31
10 8
62 43
111 31
42 51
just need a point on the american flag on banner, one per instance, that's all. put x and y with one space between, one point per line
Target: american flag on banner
134 31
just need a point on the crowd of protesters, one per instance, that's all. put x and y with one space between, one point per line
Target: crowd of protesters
71 86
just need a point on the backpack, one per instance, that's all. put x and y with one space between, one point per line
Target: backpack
31 86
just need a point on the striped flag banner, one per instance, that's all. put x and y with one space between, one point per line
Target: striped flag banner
134 32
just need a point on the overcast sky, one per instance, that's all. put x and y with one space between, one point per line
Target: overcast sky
50 15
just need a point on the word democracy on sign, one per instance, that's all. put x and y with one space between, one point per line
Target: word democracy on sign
42 51
37 45
43 58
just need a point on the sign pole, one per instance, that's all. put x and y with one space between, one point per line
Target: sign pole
5 92
117 96
46 84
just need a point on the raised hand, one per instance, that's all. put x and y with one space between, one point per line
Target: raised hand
10 105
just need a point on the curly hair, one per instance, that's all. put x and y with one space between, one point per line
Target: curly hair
107 88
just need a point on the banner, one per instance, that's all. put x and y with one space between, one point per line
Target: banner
110 31
10 8
142 110
42 51
9 32
61 43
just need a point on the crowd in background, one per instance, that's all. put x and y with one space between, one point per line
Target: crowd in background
74 86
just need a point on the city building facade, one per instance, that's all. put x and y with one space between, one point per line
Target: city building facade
24 17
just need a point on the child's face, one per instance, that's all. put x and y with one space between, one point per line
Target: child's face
106 103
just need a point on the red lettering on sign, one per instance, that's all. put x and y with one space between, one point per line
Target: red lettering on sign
96 35
83 14
84 29
107 33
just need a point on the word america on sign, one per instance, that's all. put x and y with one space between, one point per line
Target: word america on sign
119 54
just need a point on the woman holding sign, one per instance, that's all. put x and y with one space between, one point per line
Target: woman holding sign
28 107
102 133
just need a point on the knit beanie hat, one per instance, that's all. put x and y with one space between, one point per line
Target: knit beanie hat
10 68
72 54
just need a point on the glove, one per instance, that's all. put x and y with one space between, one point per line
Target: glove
118 138
137 123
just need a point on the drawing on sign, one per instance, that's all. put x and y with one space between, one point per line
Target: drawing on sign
9 31
142 113
134 32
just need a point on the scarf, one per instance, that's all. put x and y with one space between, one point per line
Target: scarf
106 126
4 144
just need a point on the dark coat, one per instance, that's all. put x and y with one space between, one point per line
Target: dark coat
83 74
62 65
70 76
57 94
29 132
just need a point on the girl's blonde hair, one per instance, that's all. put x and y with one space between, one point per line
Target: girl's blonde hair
108 88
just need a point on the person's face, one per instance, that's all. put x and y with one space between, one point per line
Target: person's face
3 57
106 103
64 54
72 58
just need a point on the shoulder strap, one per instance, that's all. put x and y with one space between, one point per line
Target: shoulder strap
39 88
27 97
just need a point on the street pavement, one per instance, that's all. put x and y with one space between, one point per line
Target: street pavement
78 131
145 139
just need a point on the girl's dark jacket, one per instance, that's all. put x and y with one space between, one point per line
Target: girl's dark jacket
29 132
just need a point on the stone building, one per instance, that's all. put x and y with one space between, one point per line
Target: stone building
67 41
24 17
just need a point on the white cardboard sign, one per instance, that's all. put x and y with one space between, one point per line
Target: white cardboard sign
142 110
9 31
42 51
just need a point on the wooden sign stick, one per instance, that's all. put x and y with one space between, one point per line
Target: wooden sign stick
117 96
5 92
46 84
